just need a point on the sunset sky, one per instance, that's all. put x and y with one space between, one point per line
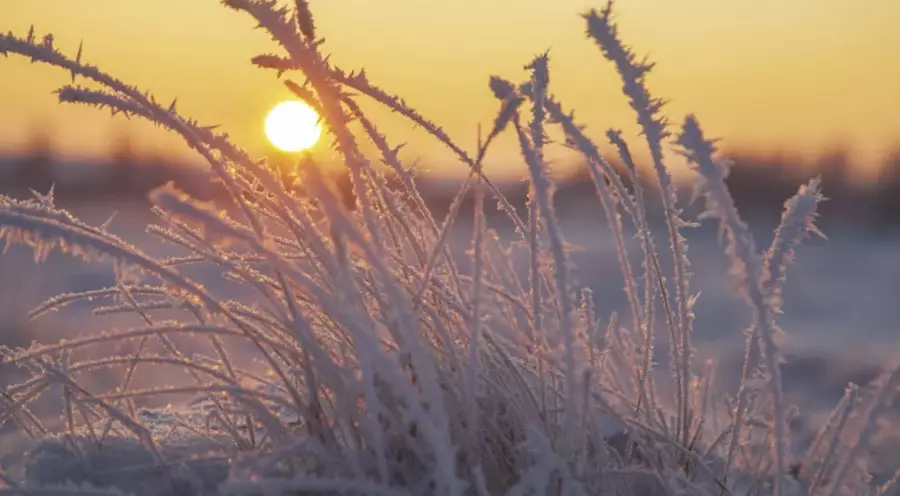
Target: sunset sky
801 75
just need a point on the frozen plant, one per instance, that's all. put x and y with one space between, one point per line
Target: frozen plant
381 366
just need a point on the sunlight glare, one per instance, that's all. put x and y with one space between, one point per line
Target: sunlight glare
292 126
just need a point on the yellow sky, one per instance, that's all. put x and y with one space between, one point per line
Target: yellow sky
806 75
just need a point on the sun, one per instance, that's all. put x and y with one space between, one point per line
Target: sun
292 126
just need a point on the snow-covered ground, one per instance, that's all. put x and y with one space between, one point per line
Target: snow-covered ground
841 297
841 312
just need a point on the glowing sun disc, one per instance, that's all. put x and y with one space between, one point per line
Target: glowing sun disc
292 126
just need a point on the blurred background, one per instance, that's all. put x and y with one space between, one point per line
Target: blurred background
795 89
790 83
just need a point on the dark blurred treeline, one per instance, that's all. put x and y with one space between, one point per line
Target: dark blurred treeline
124 176
760 184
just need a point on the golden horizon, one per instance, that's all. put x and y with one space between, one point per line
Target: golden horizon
764 77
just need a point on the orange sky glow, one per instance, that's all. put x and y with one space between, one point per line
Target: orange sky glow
807 76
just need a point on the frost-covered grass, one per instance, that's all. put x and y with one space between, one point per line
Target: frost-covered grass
381 366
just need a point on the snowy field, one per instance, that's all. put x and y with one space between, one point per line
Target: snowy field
841 308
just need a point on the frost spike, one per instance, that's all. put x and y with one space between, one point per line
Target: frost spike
77 58
105 225
45 199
